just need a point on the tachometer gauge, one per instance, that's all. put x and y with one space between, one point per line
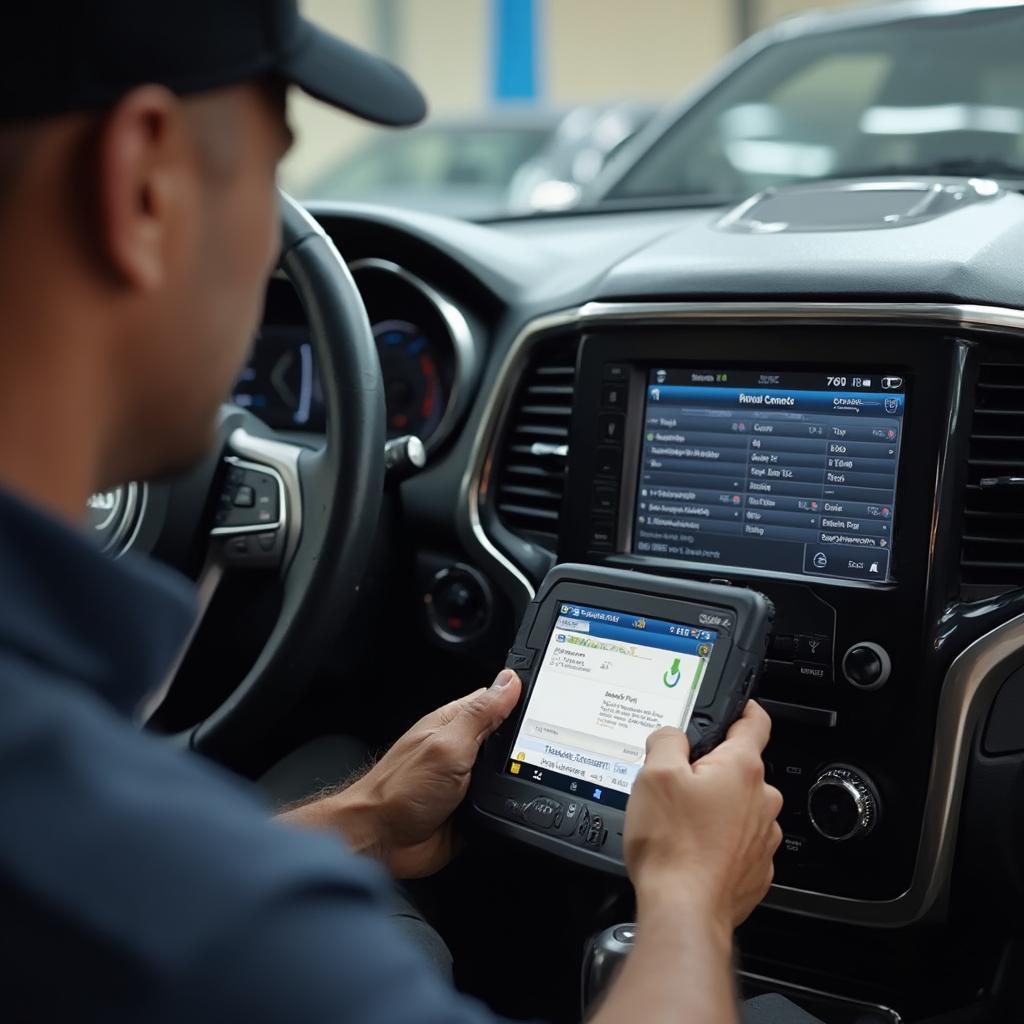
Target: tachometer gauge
414 387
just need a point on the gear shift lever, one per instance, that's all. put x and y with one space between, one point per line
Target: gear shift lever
605 953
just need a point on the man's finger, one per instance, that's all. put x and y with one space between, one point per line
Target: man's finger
482 712
752 729
668 748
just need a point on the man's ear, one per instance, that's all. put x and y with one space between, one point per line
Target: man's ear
145 178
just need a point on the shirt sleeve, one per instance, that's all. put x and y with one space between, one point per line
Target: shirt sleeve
317 957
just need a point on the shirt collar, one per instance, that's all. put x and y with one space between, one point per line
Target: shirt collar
112 626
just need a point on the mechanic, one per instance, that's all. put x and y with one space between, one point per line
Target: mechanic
138 228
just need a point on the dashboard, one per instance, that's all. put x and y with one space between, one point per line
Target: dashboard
834 417
427 351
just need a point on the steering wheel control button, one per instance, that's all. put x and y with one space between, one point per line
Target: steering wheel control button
250 499
458 604
843 804
867 666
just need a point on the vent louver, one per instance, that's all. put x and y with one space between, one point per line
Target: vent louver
992 555
535 445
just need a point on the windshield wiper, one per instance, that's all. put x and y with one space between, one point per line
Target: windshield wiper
958 167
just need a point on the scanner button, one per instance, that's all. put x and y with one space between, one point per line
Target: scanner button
519 658
514 808
542 812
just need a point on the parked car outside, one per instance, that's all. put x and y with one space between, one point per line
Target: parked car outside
505 161
907 88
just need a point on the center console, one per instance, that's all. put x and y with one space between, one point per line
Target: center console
719 453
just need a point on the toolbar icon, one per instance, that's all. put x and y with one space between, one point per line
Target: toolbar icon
892 383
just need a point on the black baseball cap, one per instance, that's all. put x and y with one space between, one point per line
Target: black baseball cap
79 55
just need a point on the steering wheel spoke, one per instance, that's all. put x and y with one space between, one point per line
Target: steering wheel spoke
258 518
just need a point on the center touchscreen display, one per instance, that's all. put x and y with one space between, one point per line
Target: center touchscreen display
781 472
607 680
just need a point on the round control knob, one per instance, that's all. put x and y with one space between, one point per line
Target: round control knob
867 666
843 804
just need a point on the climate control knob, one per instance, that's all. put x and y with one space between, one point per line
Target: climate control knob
843 803
867 666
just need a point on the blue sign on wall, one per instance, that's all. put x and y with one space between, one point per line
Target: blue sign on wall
514 43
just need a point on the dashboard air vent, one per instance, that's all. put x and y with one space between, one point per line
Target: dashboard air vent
992 556
535 445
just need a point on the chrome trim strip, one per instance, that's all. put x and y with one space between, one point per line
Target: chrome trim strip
973 677
467 355
784 987
476 479
992 318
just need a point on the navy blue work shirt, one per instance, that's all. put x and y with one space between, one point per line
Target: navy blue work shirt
137 882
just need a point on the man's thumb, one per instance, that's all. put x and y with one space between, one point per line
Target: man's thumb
484 712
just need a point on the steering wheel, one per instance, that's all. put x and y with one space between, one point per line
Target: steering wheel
308 514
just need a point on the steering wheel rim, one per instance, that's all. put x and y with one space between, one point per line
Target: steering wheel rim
331 498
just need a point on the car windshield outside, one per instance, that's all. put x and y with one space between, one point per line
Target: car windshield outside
938 95
457 168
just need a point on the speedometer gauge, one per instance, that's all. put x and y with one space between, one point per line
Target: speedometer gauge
414 387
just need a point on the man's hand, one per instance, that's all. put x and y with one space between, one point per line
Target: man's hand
401 810
699 846
705 834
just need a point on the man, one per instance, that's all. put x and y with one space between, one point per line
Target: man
138 225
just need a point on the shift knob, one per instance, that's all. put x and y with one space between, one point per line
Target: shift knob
605 954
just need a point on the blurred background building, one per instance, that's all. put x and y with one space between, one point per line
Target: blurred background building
514 64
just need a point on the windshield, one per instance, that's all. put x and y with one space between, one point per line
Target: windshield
940 95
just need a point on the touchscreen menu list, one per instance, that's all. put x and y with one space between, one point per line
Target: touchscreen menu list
784 472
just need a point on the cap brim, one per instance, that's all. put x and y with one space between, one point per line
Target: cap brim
345 76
